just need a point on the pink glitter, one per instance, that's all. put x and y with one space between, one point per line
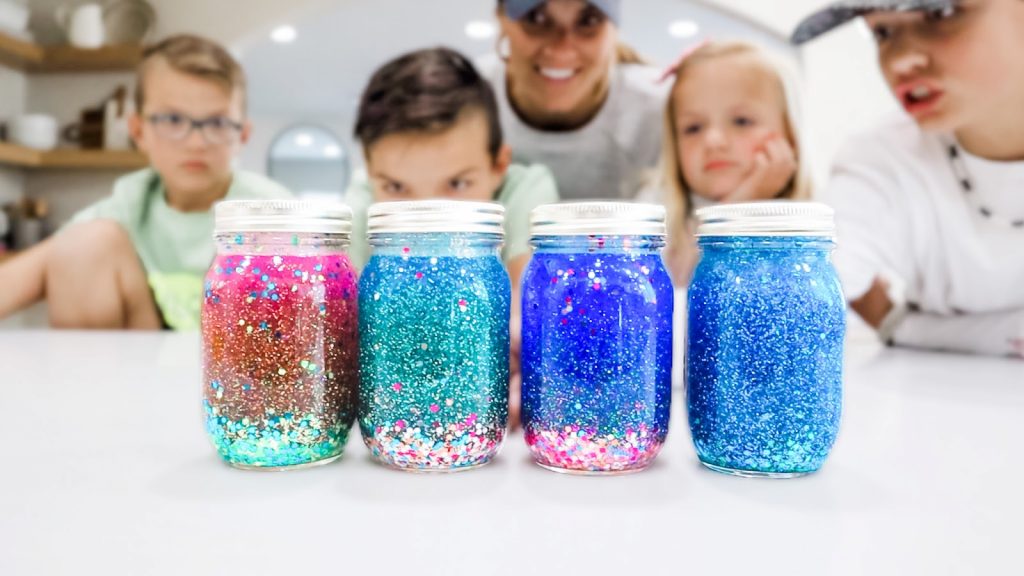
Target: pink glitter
576 449
457 446
397 386
434 408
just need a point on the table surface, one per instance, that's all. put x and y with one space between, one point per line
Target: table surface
106 469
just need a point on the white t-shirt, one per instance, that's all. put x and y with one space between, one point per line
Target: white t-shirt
902 214
608 158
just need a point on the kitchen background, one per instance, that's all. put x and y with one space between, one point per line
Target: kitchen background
307 61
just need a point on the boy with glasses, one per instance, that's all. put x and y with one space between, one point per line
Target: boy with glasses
137 258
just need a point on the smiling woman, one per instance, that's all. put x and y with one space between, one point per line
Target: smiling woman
563 84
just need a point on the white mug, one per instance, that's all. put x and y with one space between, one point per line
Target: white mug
13 16
37 131
83 25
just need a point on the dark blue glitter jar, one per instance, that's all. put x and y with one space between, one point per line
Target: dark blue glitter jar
596 337
767 320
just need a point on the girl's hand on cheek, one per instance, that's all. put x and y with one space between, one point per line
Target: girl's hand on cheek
775 165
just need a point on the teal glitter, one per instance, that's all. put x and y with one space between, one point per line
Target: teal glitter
434 353
279 441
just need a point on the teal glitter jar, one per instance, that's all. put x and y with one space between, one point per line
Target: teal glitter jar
434 335
766 325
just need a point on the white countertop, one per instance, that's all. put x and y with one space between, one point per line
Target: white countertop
106 469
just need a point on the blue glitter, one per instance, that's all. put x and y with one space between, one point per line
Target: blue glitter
596 353
764 354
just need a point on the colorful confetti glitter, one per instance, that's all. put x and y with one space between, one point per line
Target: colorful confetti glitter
434 350
596 353
765 354
280 351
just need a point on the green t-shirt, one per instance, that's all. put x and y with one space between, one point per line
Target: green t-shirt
175 248
524 188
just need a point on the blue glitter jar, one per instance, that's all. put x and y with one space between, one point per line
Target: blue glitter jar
434 334
767 320
597 337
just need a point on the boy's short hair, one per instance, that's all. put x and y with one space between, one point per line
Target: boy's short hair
195 56
425 91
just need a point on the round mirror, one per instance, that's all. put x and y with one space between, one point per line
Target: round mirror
311 162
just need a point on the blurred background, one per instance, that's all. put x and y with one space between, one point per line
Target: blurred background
307 62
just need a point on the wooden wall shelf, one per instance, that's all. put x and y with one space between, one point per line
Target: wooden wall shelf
71 159
32 57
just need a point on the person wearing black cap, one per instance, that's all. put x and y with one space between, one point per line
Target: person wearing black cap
574 98
930 205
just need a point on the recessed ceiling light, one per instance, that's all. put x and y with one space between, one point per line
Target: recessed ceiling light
284 34
304 140
481 29
683 28
332 151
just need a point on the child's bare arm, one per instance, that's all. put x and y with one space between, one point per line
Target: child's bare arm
993 333
24 279
874 305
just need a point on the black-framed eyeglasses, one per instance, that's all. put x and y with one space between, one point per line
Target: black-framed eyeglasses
217 130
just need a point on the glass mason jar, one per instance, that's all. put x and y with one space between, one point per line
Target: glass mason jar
279 331
597 337
767 320
434 326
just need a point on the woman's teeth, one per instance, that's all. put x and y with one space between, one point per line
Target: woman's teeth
557 73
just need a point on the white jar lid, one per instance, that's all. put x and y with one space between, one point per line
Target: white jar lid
597 219
774 218
315 217
436 216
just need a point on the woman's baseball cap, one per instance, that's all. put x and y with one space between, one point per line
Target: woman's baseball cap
516 9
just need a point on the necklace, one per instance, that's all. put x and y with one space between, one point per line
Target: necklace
963 176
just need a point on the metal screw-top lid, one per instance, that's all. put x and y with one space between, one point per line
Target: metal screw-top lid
775 218
453 216
315 217
597 219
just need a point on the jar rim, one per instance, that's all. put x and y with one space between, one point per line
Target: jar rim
592 218
771 218
436 216
297 216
